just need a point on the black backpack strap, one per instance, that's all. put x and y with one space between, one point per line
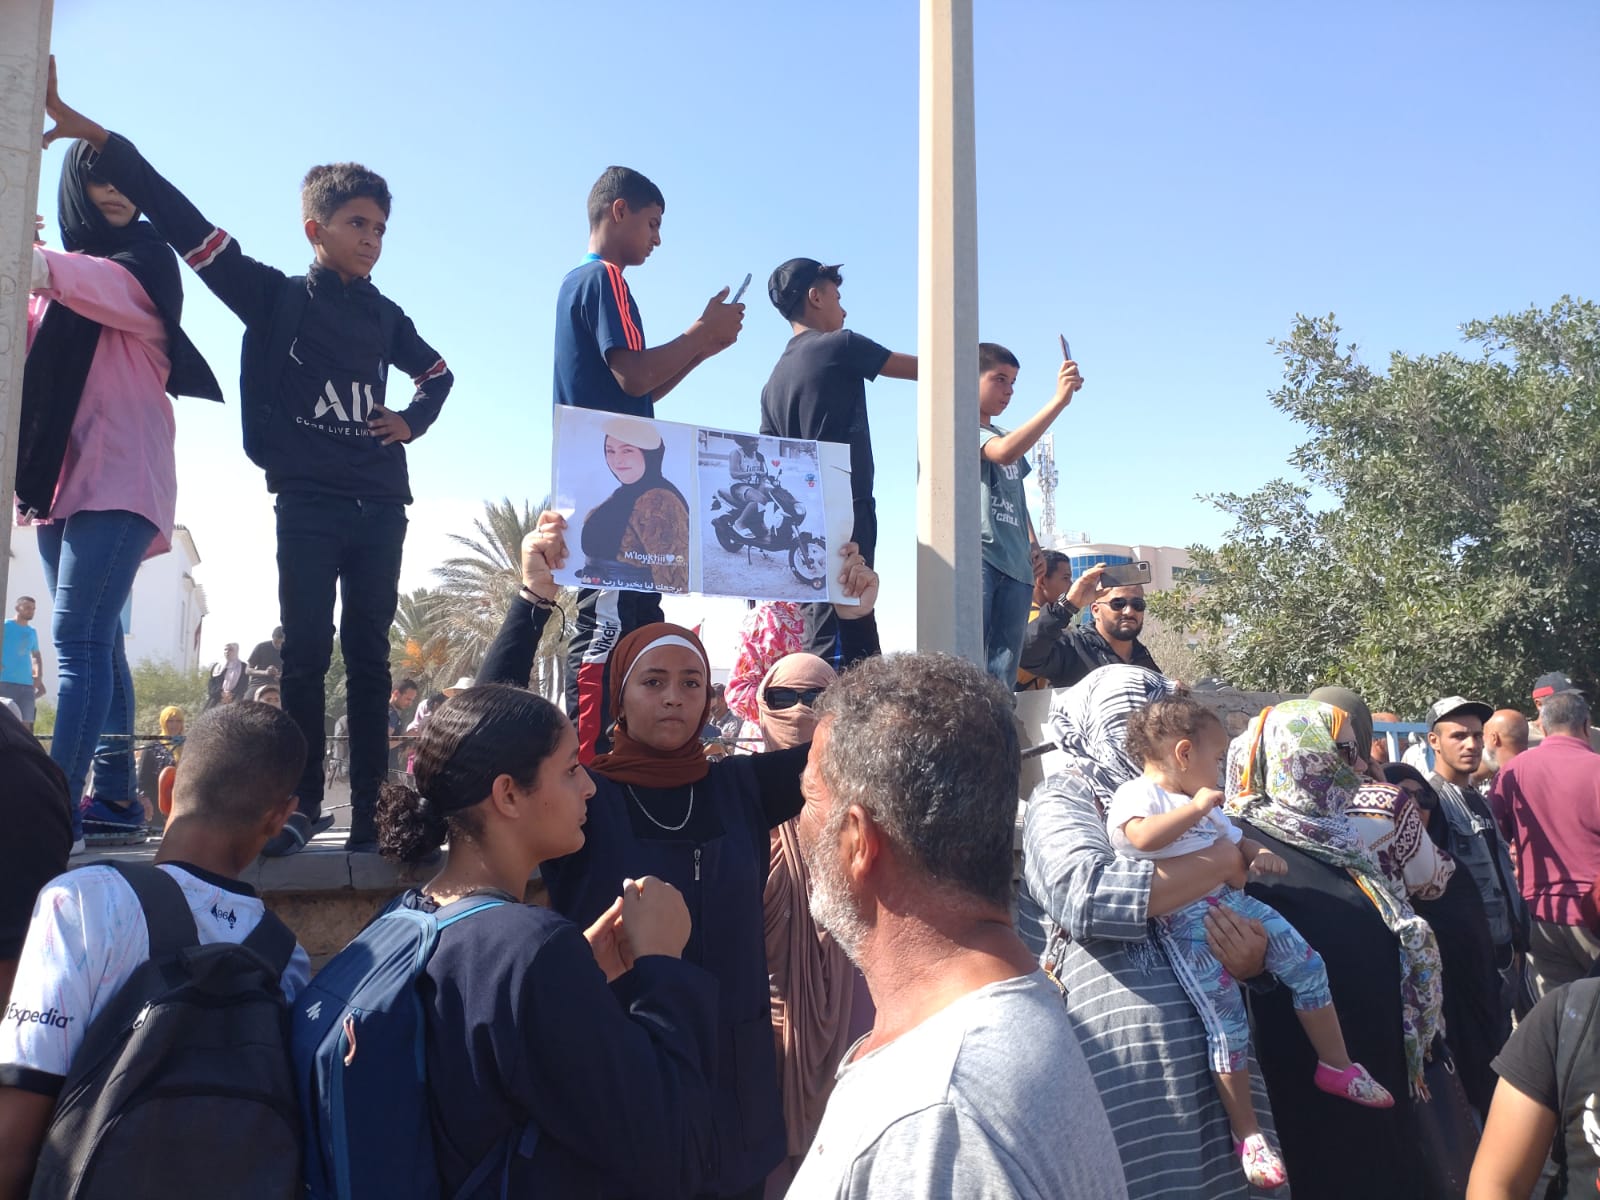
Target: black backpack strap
273 941
166 909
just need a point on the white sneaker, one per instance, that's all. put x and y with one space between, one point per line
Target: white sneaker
78 847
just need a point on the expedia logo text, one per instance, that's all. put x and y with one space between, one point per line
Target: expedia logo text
53 1017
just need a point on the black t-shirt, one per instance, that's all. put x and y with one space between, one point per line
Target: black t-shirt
38 825
264 657
818 390
1528 1063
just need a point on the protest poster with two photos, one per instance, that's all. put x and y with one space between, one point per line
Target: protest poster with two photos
666 507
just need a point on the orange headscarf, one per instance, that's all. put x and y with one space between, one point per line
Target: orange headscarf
631 761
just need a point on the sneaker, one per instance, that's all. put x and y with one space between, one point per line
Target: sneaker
107 824
363 837
1262 1166
78 847
296 832
1353 1084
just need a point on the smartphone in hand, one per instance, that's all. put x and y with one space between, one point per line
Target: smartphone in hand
739 295
1066 350
1126 574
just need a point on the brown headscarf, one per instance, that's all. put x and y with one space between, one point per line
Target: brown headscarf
786 727
634 762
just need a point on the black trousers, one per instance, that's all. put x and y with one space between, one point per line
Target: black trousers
820 635
354 546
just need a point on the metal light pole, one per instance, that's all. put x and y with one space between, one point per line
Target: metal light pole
949 595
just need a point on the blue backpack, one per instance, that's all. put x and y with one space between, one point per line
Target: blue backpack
357 1042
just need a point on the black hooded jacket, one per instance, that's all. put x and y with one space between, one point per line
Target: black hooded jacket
1063 651
316 353
64 346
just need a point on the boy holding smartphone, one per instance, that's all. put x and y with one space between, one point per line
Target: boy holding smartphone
1010 548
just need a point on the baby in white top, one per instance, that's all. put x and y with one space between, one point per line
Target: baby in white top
1171 811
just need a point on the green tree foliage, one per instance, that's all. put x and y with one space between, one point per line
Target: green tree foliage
158 684
1446 535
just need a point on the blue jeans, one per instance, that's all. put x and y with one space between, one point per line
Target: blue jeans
90 561
1005 618
328 543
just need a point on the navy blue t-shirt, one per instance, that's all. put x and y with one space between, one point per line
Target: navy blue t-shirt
819 390
595 313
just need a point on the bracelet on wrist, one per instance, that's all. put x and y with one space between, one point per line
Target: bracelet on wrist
533 598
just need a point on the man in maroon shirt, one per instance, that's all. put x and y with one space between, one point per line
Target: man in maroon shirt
1547 804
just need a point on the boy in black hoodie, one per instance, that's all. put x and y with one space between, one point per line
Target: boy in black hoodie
317 352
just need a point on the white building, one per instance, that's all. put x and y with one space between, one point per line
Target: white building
1168 564
160 623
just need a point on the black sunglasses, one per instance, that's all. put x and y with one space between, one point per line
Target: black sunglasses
787 697
1118 603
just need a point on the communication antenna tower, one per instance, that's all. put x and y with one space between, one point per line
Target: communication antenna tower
1044 471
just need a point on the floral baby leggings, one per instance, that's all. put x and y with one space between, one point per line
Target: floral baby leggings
1212 990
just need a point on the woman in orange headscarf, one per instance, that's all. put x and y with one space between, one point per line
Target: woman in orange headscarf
661 809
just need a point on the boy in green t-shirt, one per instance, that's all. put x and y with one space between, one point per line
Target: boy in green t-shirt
1010 548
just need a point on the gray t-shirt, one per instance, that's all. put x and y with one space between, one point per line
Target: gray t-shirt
986 1099
1003 514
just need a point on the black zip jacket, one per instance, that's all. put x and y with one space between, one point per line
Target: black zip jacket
316 353
1064 652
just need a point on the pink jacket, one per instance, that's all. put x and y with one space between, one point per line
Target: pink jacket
120 454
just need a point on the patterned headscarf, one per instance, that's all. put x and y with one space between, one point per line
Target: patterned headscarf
1285 776
1390 823
1090 722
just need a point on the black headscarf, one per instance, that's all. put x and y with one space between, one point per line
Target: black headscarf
1427 798
604 528
63 348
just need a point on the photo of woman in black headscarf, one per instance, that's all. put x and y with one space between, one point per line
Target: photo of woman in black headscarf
639 536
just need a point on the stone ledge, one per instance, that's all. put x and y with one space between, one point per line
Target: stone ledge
323 866
324 893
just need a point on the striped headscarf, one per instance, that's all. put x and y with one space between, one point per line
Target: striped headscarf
1285 776
1090 722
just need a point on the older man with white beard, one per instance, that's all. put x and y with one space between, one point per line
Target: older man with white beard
971 1081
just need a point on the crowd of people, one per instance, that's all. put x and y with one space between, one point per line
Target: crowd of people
784 950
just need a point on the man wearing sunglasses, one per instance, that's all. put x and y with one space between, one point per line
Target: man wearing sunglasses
1063 651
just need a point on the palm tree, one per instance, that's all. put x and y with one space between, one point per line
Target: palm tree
422 651
475 590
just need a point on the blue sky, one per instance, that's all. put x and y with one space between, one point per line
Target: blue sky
1167 184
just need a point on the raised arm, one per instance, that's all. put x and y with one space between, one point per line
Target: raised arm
1044 647
510 656
659 369
1007 448
244 285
